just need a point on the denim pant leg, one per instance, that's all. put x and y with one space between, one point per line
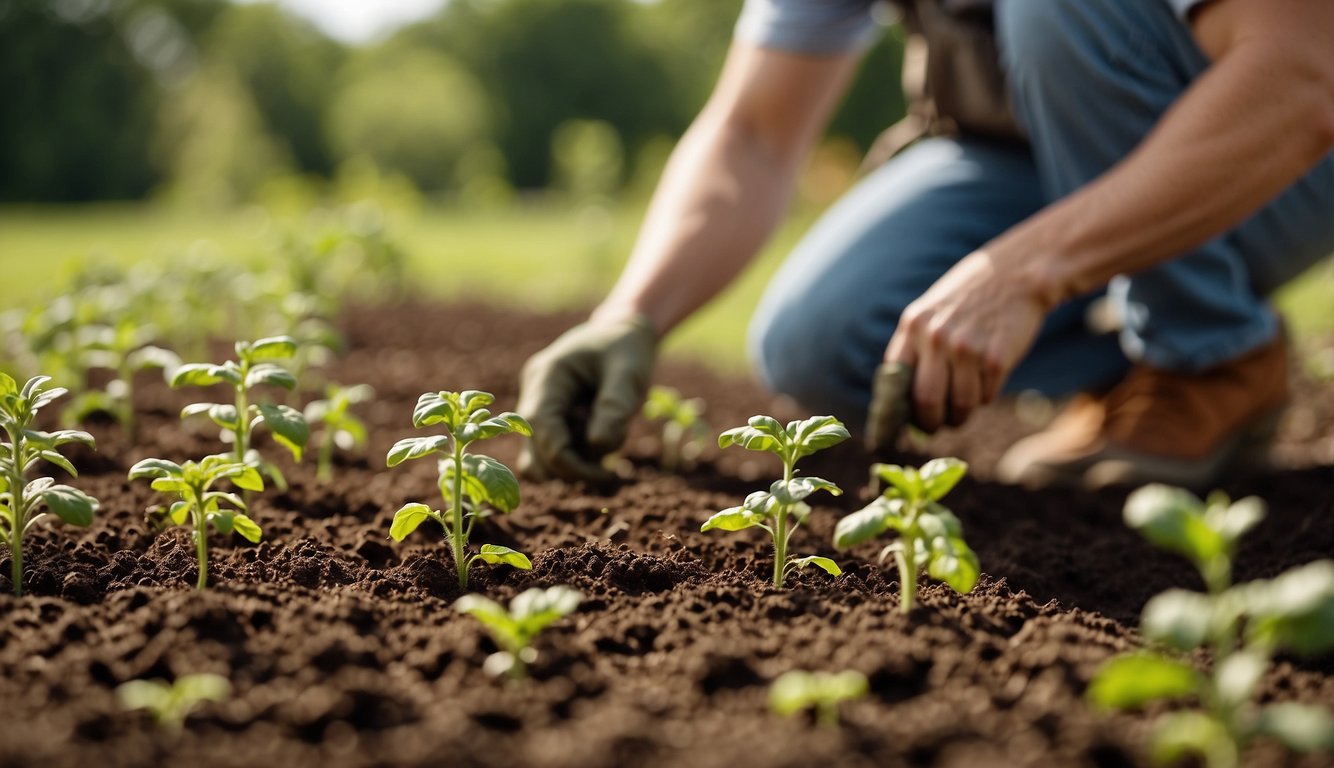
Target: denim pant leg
1089 79
825 320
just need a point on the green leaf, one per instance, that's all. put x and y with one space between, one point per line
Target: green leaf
798 488
817 433
1180 734
1131 681
797 690
155 468
214 497
246 528
939 476
490 613
866 523
415 448
1298 727
731 519
60 461
196 375
272 348
1173 519
178 512
1236 676
7 385
485 481
224 415
221 519
504 424
952 562
1178 618
824 563
1234 520
1295 610
66 436
750 439
407 519
498 555
536 609
289 427
70 504
435 408
170 485
268 373
245 477
904 480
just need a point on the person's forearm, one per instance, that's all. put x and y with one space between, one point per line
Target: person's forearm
1251 126
720 197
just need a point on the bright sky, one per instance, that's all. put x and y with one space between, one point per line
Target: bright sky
357 21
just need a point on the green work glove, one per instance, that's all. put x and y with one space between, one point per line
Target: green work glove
580 394
891 405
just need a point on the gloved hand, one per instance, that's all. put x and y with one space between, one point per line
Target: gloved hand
602 365
891 405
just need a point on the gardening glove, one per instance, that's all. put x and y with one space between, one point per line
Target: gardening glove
580 394
891 405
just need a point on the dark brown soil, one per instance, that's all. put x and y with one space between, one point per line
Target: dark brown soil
343 648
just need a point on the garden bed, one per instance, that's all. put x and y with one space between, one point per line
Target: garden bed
343 648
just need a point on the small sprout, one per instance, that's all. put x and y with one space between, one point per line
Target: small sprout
24 502
683 426
200 505
782 508
339 427
239 418
171 703
472 484
798 690
125 349
514 629
1243 626
929 535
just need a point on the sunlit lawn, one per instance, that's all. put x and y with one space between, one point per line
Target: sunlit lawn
537 257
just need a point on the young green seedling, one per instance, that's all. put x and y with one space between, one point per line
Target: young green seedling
683 426
339 427
253 367
513 630
171 703
1242 626
125 349
199 504
22 502
782 508
798 690
471 484
929 535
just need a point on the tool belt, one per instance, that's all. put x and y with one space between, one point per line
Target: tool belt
952 77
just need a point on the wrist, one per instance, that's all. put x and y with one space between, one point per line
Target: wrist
616 313
1039 267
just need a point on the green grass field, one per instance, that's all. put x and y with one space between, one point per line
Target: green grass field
538 257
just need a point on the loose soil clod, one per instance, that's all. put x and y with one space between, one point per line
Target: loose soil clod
343 648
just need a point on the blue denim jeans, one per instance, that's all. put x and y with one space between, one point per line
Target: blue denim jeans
1088 80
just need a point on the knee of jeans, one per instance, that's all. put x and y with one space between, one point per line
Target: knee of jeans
789 358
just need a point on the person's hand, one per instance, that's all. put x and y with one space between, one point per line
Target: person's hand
604 366
963 337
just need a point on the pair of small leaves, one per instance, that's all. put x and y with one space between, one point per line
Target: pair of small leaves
410 517
208 374
528 614
451 409
930 482
798 690
193 483
288 425
666 404
761 507
1176 520
170 703
797 439
823 563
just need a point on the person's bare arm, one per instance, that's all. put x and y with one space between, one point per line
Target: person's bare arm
728 181
1253 124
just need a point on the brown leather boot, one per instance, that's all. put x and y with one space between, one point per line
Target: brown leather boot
1158 426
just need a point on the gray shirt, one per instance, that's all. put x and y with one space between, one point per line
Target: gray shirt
827 27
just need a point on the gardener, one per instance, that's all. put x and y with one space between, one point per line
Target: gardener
1177 160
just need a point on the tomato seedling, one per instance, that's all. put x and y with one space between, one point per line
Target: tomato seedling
1242 626
514 628
799 690
782 508
683 426
199 504
338 426
125 349
929 535
472 484
21 501
171 703
253 367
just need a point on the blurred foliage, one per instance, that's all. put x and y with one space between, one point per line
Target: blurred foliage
216 103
